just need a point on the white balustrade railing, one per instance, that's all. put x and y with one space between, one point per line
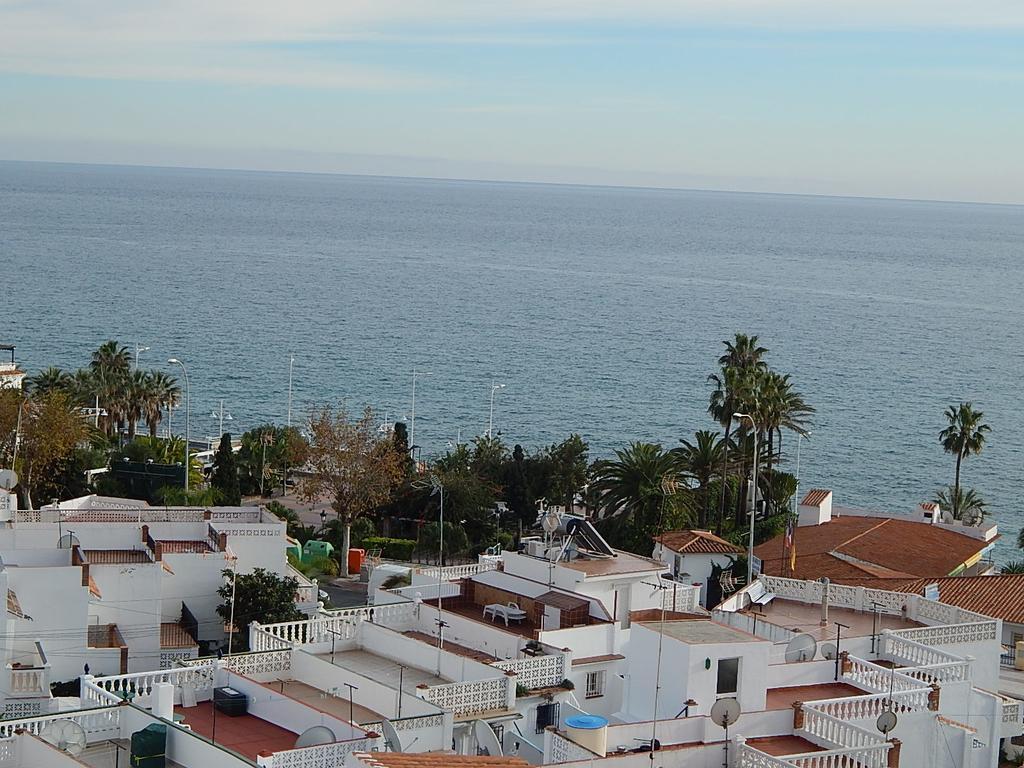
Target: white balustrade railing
336 625
749 757
139 684
879 679
473 697
28 681
876 756
99 724
536 671
912 653
870 707
832 732
93 695
949 672
452 572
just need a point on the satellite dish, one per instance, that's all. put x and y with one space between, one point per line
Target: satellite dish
8 478
829 651
391 738
947 518
886 721
801 648
486 740
68 541
318 734
550 522
66 735
725 712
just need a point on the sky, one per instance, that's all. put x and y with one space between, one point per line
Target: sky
888 98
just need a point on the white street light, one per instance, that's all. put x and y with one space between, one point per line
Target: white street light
291 364
753 498
221 415
139 348
490 421
412 420
438 488
188 403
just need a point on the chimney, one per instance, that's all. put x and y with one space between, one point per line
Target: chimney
928 512
145 533
815 507
824 601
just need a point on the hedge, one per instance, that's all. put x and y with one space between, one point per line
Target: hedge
393 549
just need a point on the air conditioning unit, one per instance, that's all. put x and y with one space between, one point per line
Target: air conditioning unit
536 548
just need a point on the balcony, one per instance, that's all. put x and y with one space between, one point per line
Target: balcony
29 675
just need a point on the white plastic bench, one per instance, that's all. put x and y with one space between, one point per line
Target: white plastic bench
759 595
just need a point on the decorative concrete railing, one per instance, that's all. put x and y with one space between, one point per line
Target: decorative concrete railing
873 677
99 724
683 598
911 653
748 757
496 694
973 632
307 590
537 671
262 641
339 625
93 695
559 749
428 591
1011 711
865 757
453 572
243 515
320 756
408 723
28 681
252 663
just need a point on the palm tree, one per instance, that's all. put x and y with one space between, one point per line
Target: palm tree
165 394
778 406
701 459
1014 566
964 436
110 366
634 487
963 504
50 379
742 359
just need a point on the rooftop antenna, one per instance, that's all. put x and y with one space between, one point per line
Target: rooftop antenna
68 541
724 713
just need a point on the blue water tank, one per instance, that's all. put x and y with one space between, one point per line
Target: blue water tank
586 722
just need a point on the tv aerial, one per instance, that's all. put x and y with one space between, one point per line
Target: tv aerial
486 740
829 651
312 737
803 647
66 735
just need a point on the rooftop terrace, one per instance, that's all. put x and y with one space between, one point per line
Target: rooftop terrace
245 734
806 617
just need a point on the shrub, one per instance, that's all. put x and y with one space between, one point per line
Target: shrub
392 549
327 566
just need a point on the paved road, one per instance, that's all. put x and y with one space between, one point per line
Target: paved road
345 593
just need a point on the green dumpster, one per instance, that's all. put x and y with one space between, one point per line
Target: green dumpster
149 747
315 549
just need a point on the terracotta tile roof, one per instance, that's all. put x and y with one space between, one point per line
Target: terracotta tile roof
434 760
862 547
116 556
173 635
814 497
625 562
175 547
1001 596
931 506
105 636
562 601
13 606
692 542
598 659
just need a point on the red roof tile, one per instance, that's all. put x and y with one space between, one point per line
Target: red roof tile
815 497
435 760
692 542
1001 596
862 547
173 635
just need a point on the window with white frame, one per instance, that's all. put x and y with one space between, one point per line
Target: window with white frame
728 676
595 684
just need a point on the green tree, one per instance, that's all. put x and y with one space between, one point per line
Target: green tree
266 454
456 541
702 460
1013 566
400 437
964 504
261 596
351 463
48 380
963 436
51 428
634 489
568 470
518 494
224 478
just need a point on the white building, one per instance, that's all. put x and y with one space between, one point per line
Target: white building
11 377
692 556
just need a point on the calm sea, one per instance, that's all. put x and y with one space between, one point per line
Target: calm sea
602 310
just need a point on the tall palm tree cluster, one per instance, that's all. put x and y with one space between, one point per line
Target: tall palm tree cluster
120 395
646 487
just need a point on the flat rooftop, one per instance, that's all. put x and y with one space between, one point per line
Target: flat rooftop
623 562
698 631
383 670
245 734
113 754
783 698
333 703
806 617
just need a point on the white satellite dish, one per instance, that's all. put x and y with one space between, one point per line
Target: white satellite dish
68 541
550 522
486 740
886 721
829 651
725 712
66 735
947 518
801 648
392 741
8 478
318 734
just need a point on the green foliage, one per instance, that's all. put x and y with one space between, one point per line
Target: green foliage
1013 566
568 470
265 455
224 479
326 566
363 528
963 436
176 496
396 581
261 596
455 540
963 504
392 549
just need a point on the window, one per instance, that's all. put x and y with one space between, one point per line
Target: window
595 684
728 676
547 714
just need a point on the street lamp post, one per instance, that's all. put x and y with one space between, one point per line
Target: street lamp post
753 498
412 419
139 348
291 364
796 497
438 488
490 421
188 405
221 415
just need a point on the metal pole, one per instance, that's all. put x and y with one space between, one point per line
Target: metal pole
839 631
490 419
188 407
401 676
351 706
440 561
412 418
234 581
291 363
753 498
